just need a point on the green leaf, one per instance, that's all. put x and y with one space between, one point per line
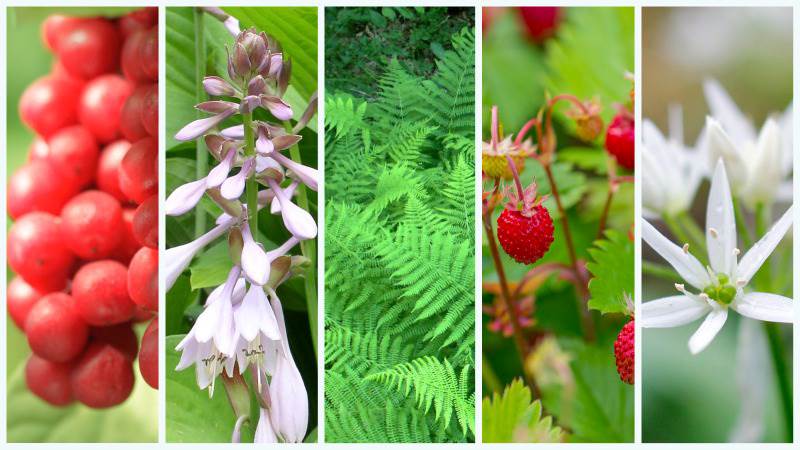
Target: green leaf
179 298
571 184
37 15
191 416
511 417
210 268
612 273
296 30
585 158
32 420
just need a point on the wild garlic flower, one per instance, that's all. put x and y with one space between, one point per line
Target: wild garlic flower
723 284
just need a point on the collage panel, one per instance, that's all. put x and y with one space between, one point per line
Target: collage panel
399 217
717 181
82 225
557 215
241 227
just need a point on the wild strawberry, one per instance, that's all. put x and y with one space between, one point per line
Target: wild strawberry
525 233
624 352
493 153
540 22
620 140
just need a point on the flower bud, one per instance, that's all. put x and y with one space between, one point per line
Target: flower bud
235 245
218 86
232 208
589 124
279 269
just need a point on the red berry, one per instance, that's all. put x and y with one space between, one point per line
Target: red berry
134 21
101 104
131 60
624 351
128 245
108 168
130 123
49 380
541 22
148 54
620 140
143 315
38 186
74 151
143 278
145 222
55 330
37 251
149 112
148 356
526 239
138 173
38 149
50 104
21 299
103 377
56 26
120 336
90 48
91 224
100 290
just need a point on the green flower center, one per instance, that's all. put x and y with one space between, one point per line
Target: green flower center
722 291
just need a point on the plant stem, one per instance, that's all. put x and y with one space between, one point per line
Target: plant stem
762 218
691 227
307 247
201 156
660 271
606 209
251 186
741 224
490 378
680 234
776 349
583 292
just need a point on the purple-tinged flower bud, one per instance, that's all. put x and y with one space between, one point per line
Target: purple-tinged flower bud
241 61
198 127
217 106
297 220
255 263
233 187
284 76
275 65
219 86
234 132
249 103
214 144
268 168
177 259
264 144
235 244
285 141
280 109
232 208
264 432
257 86
275 206
279 271
220 172
311 109
232 25
185 197
307 175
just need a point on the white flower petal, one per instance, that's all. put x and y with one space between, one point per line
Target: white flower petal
720 145
766 165
219 173
672 311
765 306
687 266
708 329
720 223
724 109
760 251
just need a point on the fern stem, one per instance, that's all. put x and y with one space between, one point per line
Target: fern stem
307 247
251 187
583 311
201 157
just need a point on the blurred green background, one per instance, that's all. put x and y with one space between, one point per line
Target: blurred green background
30 419
689 398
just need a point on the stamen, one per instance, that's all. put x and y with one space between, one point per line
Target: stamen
736 252
713 232
686 248
704 296
741 282
680 287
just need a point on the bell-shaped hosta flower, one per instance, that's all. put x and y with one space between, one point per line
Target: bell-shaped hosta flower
264 432
233 187
297 220
208 360
216 321
185 197
235 132
219 86
197 128
264 145
305 174
723 285
220 172
177 259
258 333
255 262
275 206
239 291
287 392
279 108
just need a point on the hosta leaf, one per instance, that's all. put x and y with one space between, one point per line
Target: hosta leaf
511 417
612 273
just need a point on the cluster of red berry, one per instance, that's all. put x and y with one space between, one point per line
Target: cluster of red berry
84 244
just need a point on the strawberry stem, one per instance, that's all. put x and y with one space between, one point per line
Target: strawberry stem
515 173
524 130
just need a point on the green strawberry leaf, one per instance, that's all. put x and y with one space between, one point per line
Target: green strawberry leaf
511 417
612 273
585 158
571 184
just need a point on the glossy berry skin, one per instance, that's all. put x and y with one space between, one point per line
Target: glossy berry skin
55 330
138 173
103 376
149 112
148 54
21 299
120 336
148 356
128 245
526 239
91 224
38 149
100 290
131 125
143 278
50 381
75 152
100 107
50 104
541 22
624 351
39 185
138 20
37 251
145 223
90 49
131 59
107 176
56 26
620 141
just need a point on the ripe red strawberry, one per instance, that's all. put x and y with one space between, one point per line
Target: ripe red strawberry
620 140
525 233
540 22
624 352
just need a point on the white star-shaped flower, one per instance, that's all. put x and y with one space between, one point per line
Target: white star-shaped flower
722 286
